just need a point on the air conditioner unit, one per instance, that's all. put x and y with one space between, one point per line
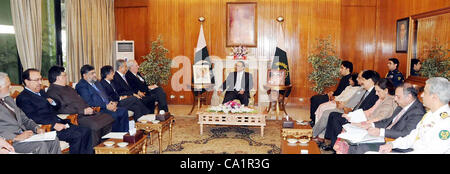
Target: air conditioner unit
124 50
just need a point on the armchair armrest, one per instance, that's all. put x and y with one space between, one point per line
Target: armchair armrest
9 141
46 127
388 139
72 117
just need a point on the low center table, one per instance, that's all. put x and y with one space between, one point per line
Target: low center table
136 148
237 119
287 148
297 131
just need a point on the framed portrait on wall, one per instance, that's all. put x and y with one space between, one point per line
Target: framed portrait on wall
241 24
402 35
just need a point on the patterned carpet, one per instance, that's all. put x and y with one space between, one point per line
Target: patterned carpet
219 139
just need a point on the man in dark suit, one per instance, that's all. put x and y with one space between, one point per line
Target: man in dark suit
38 106
403 120
140 86
237 85
132 103
93 93
71 103
346 72
336 121
16 126
124 89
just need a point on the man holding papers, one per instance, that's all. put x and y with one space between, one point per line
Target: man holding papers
431 135
16 126
38 106
336 121
403 120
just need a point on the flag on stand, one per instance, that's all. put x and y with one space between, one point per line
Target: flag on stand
280 61
201 56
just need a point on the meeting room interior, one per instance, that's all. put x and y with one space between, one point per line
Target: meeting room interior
224 77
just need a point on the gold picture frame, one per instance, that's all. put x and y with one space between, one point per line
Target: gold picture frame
242 24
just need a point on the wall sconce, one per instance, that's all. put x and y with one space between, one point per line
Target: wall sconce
280 19
201 19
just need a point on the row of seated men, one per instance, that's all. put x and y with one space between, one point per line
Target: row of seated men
117 92
391 111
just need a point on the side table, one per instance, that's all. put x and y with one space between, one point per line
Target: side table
150 127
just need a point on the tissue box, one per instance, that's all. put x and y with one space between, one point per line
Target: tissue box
133 138
288 124
163 117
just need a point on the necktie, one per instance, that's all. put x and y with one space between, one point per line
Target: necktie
396 118
100 93
362 99
124 79
2 102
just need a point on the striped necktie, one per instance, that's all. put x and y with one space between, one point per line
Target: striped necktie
396 118
2 102
100 93
362 99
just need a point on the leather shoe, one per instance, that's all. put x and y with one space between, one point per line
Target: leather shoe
327 147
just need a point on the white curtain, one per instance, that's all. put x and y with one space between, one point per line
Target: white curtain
27 21
91 35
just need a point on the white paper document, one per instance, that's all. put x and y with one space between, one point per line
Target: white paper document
114 135
359 135
48 136
132 126
357 116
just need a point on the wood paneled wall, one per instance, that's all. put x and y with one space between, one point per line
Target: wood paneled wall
388 12
363 31
431 29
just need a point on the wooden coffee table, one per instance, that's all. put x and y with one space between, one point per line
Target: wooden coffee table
132 148
287 148
150 127
241 119
297 131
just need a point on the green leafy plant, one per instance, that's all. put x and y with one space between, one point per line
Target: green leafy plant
436 62
156 67
325 66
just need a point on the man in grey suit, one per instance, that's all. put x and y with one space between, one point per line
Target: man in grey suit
404 119
16 126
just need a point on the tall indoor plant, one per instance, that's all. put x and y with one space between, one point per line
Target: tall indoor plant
436 61
325 64
156 67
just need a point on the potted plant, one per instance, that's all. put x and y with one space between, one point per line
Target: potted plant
156 67
325 66
436 62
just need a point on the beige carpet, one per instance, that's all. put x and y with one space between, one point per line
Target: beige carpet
221 139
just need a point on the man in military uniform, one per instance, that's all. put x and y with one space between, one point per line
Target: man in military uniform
394 74
432 134
415 67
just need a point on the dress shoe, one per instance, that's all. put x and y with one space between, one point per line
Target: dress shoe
327 147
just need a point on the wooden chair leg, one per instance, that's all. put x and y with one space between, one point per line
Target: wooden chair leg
193 106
